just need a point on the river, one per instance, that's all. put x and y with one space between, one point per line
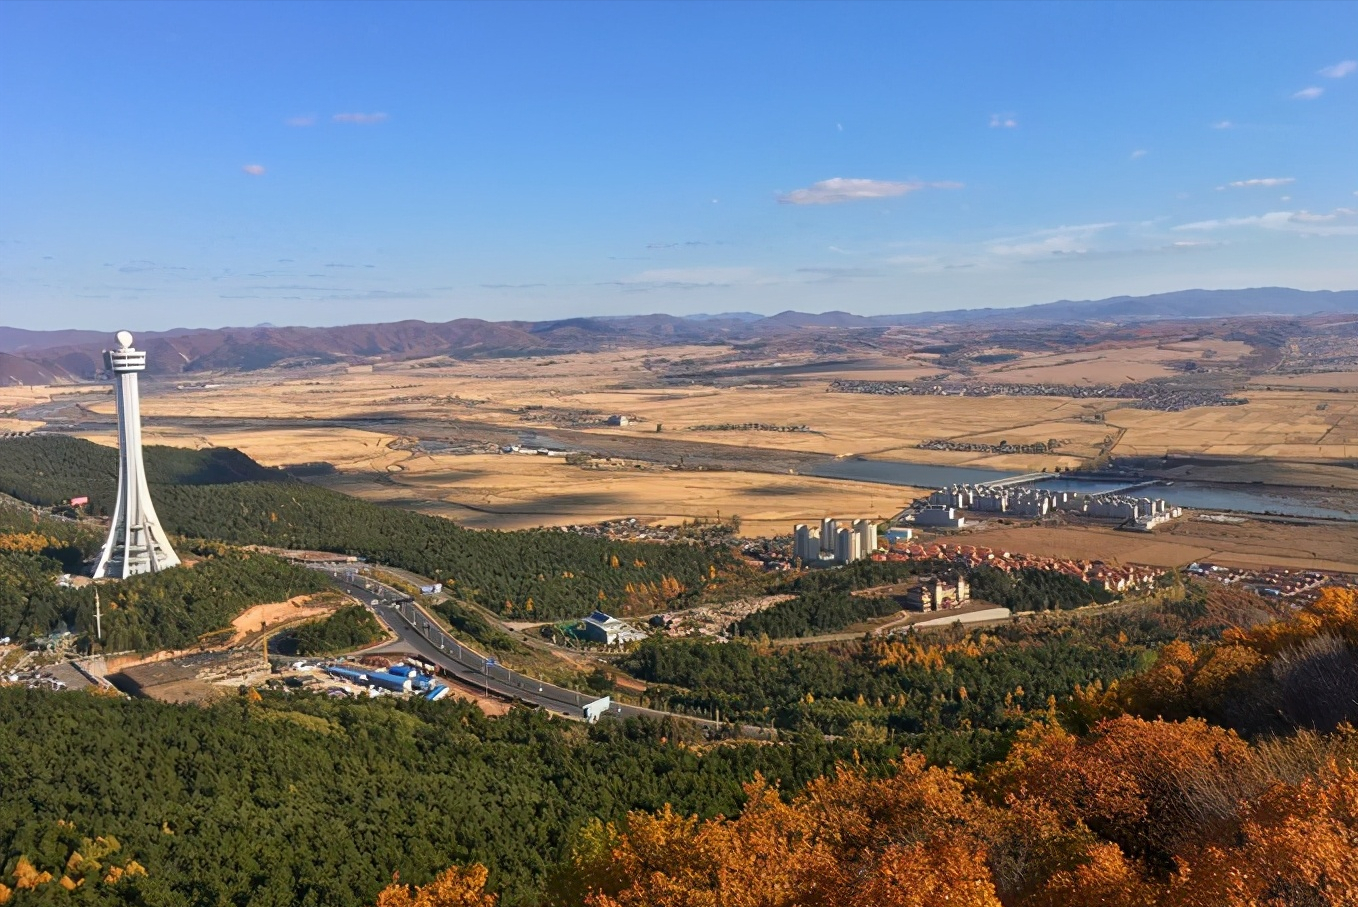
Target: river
1240 499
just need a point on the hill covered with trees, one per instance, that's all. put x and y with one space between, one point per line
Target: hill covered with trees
957 695
351 627
224 496
303 800
1093 805
170 609
48 470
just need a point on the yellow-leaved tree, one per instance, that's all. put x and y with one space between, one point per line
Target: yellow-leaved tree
455 887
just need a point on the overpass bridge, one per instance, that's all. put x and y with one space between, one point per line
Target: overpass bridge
1014 481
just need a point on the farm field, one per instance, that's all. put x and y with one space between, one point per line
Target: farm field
515 491
1254 543
1113 365
578 390
1275 424
750 420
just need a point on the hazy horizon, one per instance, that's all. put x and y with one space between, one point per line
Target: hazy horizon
111 323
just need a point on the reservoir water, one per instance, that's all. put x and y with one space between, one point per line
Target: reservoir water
1181 494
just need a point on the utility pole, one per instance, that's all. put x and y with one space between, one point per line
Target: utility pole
98 619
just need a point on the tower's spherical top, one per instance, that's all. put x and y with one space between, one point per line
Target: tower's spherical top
124 339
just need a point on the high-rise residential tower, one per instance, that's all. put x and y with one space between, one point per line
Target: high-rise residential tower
136 543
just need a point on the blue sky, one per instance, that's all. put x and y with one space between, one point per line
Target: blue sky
200 164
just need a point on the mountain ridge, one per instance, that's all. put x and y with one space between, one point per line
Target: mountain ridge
33 357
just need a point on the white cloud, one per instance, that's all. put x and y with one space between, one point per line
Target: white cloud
1309 94
1074 240
361 119
306 120
1268 182
1223 124
1339 222
1052 247
1140 152
1306 217
254 169
692 279
1340 69
1003 121
837 190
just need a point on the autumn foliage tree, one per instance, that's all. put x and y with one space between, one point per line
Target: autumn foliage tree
1136 813
848 840
455 887
1269 678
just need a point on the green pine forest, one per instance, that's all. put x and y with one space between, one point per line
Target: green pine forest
301 799
351 627
222 495
171 609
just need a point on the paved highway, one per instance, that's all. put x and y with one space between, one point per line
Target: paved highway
421 633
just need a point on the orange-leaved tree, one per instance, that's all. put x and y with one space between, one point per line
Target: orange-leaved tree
848 841
455 887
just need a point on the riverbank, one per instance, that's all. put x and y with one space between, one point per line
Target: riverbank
1254 497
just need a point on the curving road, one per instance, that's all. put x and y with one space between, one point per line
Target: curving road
421 633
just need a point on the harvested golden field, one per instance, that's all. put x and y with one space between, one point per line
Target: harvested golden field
1275 424
1323 381
1268 472
1089 544
1300 424
1254 543
512 491
1110 366
742 420
344 448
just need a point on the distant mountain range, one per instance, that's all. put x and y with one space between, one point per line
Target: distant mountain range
41 357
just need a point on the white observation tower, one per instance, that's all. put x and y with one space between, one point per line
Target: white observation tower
136 543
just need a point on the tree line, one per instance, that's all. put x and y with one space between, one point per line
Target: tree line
824 602
546 574
171 609
957 695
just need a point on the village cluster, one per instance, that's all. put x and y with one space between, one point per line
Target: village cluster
1164 398
1004 447
1110 577
1298 586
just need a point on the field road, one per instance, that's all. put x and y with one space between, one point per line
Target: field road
421 634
